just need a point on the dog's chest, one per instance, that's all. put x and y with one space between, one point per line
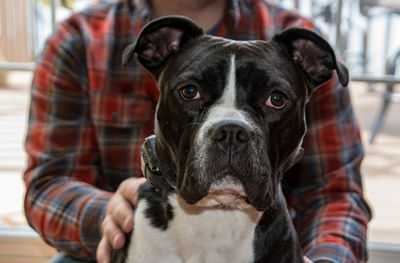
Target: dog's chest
194 235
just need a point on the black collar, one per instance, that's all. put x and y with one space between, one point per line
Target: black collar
150 168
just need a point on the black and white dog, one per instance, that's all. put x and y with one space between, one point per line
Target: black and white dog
230 121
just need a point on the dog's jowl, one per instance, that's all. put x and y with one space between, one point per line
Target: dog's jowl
230 121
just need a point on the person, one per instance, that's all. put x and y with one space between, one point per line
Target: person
89 116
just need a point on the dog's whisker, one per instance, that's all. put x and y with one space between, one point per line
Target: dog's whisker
193 124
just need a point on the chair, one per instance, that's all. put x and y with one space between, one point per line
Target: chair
388 96
393 6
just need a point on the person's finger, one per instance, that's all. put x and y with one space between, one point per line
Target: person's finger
112 233
129 189
118 219
306 260
121 213
103 252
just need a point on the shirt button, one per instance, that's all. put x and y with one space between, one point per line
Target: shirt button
114 116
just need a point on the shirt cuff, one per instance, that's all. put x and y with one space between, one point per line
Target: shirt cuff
330 253
92 216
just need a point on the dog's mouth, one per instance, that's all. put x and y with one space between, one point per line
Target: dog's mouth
224 200
225 195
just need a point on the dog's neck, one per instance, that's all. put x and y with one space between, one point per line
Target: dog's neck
209 234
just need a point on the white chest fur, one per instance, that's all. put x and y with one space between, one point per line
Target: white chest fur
194 235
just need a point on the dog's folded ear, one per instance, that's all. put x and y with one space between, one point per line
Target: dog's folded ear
313 54
159 39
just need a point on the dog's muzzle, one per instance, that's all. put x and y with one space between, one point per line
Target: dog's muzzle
231 137
228 142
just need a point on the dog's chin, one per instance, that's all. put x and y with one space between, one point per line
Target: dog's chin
224 200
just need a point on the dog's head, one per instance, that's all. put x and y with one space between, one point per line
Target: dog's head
231 115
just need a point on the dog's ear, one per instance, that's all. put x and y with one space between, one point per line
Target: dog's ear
159 39
313 54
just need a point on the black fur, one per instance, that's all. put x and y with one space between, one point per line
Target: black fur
274 234
159 210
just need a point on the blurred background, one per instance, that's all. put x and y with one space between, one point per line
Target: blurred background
365 32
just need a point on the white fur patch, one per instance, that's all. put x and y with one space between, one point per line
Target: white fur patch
195 235
224 109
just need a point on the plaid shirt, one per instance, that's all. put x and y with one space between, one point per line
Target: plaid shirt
89 116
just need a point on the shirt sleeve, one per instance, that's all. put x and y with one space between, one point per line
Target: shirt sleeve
327 190
62 203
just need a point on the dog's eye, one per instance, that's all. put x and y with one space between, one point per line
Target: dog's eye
276 100
189 92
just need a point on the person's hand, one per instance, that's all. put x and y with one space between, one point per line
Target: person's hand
118 218
306 260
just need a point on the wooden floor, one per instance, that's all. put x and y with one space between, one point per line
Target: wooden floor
24 250
381 170
381 166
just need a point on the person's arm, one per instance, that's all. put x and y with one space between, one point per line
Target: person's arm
61 203
327 191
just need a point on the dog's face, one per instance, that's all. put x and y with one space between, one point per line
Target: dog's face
231 114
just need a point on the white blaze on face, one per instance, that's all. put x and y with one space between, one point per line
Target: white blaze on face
228 99
224 109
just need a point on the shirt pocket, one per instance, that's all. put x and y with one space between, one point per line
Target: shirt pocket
120 110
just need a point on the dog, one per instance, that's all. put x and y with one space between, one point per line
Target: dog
229 122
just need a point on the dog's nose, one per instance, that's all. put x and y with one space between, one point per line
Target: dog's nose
231 136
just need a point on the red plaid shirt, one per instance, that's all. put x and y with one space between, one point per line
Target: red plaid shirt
89 116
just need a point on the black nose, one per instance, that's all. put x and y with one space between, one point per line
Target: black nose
231 136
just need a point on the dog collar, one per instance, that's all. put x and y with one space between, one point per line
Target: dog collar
149 164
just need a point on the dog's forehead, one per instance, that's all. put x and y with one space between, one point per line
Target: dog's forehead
212 55
211 48
208 59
